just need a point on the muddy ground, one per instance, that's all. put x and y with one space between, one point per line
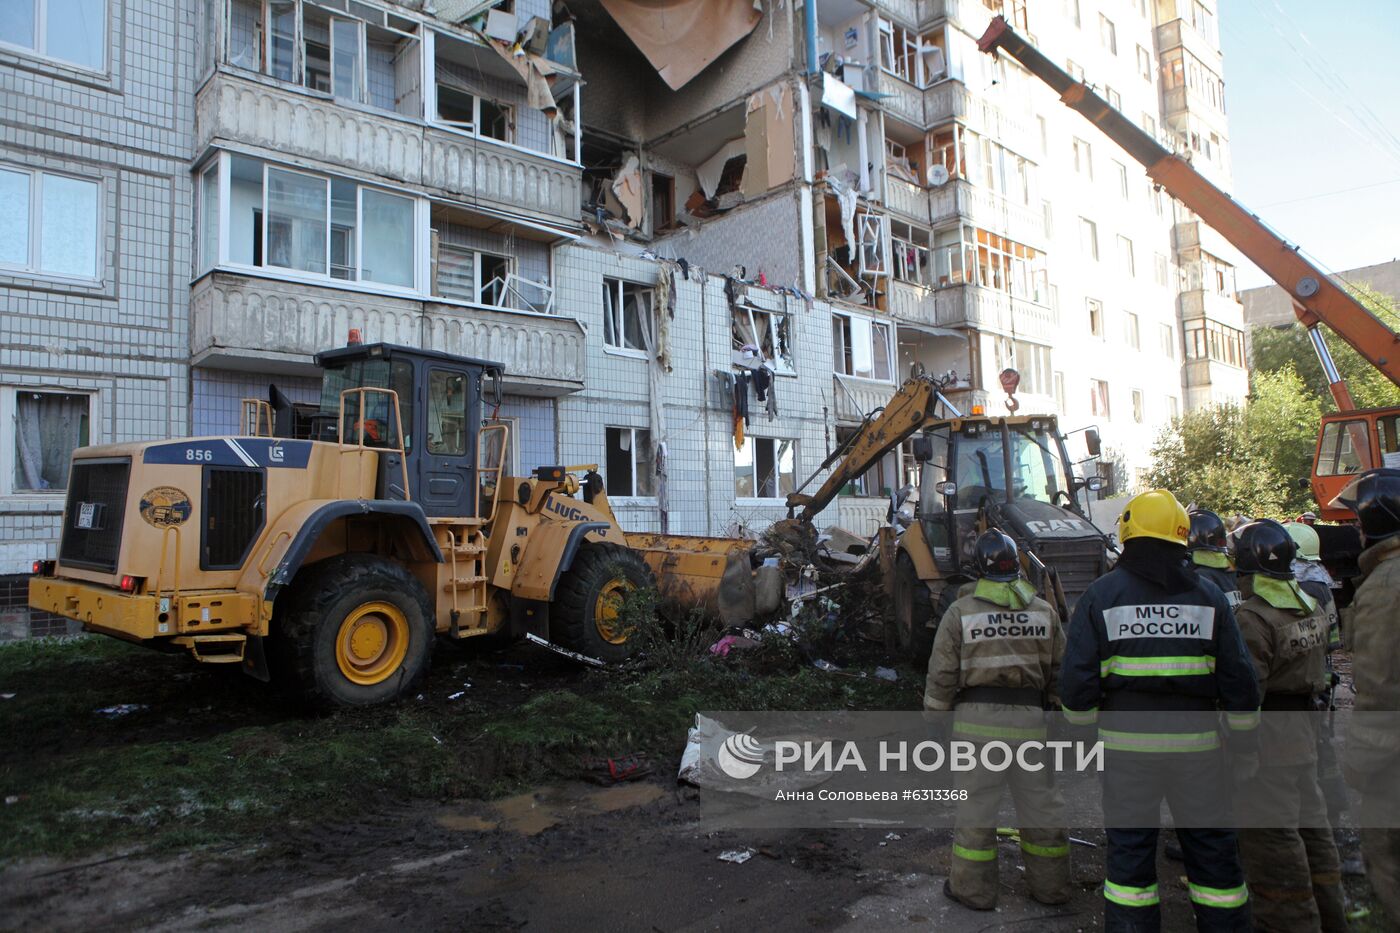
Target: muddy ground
215 803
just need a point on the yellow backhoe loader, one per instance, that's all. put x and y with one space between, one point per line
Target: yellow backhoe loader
335 559
975 471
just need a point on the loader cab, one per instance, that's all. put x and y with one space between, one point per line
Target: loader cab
439 401
1349 443
1018 467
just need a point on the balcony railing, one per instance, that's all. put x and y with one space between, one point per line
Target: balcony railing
856 398
282 121
913 303
906 12
276 326
903 101
906 199
988 308
988 210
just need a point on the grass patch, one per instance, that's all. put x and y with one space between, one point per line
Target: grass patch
212 757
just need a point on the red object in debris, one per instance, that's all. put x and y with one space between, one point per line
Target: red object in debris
354 340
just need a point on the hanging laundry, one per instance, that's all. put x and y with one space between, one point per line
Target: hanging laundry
772 406
762 380
685 268
739 392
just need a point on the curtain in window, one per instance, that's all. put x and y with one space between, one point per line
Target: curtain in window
48 427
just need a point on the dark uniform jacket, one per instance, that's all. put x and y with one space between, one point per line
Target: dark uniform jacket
1289 649
1133 644
1227 581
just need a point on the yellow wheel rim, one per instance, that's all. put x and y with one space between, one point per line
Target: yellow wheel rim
372 643
607 611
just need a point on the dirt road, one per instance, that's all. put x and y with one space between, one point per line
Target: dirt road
571 856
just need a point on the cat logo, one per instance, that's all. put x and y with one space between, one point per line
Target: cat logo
164 506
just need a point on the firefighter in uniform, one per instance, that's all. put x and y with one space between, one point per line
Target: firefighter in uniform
1292 866
995 662
1208 546
1156 648
1372 753
1317 583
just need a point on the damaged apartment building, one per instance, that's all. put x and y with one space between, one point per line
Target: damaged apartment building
705 238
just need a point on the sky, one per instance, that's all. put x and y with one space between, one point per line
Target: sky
1313 97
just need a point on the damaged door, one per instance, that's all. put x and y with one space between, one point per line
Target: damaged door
872 245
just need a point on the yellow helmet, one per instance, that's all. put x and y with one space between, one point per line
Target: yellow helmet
1154 514
1309 547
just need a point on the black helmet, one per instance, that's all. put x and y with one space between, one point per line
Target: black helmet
1375 498
1207 532
996 557
1266 547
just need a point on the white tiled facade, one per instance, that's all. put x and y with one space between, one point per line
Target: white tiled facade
186 134
116 335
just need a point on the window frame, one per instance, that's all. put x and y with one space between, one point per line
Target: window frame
751 443
9 412
35 216
634 495
40 48
890 348
1100 399
620 323
478 286
224 163
1089 231
1132 330
1093 308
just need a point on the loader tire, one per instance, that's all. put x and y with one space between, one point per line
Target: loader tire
914 621
359 631
588 601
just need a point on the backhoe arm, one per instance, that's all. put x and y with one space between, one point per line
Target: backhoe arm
1316 300
903 415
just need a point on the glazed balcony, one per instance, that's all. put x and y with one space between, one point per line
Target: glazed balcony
246 322
988 210
282 121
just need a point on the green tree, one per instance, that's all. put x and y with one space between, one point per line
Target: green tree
1275 349
1243 460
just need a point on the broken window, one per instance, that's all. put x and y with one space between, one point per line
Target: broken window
872 231
911 254
629 463
765 468
368 56
663 202
768 332
627 315
920 60
471 275
49 426
862 348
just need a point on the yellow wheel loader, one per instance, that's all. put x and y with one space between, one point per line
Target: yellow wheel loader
335 559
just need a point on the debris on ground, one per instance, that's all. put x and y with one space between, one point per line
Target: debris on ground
12 799
607 771
737 856
560 649
886 673
721 648
7 696
120 710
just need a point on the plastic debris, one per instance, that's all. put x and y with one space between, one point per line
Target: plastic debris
616 770
728 643
457 696
559 649
12 799
1359 913
893 837
7 696
737 856
1075 840
823 665
886 673
120 710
